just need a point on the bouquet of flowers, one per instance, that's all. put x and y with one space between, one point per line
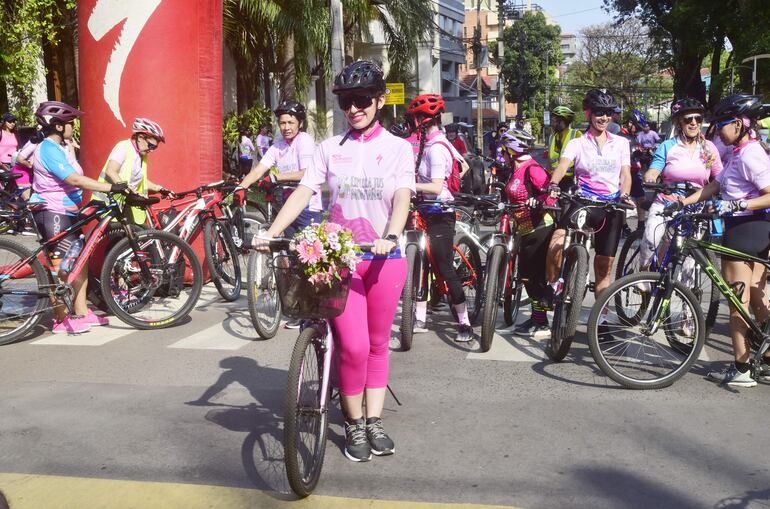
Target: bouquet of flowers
326 252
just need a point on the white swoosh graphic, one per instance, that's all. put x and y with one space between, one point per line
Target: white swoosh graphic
106 15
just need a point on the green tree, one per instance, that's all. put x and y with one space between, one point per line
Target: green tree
531 54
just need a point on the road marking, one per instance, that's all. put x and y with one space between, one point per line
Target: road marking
232 333
55 492
97 336
512 348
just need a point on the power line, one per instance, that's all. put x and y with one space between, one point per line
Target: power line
576 12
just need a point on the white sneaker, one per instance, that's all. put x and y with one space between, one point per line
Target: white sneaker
732 377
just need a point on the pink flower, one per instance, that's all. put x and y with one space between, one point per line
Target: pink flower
309 252
332 228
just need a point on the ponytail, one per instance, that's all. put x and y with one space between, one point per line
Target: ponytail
423 128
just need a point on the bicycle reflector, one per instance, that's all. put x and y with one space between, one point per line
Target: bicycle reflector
580 218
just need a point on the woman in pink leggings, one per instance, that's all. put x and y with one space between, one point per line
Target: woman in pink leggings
370 174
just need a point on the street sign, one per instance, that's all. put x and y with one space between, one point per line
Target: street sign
546 117
394 93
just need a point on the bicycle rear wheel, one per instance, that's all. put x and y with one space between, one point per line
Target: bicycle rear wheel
306 415
494 275
513 291
467 263
568 305
262 292
163 297
640 355
20 313
222 259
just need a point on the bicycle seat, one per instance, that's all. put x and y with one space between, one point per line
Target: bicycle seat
8 176
138 200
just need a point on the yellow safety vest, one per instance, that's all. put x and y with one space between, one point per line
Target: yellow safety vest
554 154
138 214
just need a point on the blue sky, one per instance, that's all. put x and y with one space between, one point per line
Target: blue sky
572 15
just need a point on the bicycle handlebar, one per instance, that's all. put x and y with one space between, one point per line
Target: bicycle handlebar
594 202
669 188
282 242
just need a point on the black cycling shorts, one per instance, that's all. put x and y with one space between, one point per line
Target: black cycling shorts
607 227
747 234
50 224
637 191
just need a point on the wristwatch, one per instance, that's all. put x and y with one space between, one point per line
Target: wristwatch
391 237
743 204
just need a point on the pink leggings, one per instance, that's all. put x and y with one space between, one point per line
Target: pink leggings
363 330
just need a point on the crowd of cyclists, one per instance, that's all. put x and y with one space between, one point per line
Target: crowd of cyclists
374 176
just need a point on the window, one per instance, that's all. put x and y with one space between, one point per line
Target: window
446 66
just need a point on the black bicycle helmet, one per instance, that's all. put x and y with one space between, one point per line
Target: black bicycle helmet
686 105
400 130
599 98
361 75
293 108
736 106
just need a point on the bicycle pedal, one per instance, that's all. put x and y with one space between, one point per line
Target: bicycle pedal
592 286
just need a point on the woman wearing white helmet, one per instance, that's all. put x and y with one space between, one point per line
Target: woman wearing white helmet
128 163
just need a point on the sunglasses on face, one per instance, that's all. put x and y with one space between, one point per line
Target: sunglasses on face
723 123
360 101
603 113
150 145
698 119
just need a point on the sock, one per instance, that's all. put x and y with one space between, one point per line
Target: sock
742 367
462 314
538 315
421 310
371 420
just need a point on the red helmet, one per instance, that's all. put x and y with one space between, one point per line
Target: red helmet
50 111
425 107
148 127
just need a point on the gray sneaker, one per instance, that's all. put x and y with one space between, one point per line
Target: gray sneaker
464 334
419 327
379 441
530 328
357 446
732 377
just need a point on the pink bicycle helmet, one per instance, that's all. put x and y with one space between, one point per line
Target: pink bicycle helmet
148 127
50 111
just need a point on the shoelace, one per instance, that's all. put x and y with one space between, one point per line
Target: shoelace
376 430
357 433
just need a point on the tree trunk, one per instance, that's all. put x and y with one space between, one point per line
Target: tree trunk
288 72
687 81
3 96
717 83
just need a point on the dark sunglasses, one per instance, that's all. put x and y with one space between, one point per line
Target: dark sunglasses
150 145
723 123
603 113
361 101
689 119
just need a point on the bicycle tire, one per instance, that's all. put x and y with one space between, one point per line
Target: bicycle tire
465 214
567 308
495 257
9 302
222 259
623 369
628 259
121 262
512 294
408 298
260 283
471 275
303 464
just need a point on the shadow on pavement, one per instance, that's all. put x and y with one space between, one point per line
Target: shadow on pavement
262 451
749 499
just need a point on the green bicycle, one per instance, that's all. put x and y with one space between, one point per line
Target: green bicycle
647 329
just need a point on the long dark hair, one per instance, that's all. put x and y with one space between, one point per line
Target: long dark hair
423 129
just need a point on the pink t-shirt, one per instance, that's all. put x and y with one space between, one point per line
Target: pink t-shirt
363 175
26 152
676 164
747 173
8 145
436 163
118 155
725 151
598 171
293 155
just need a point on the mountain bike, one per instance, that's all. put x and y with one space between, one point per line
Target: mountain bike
661 329
421 277
502 283
309 385
149 280
261 287
705 290
573 282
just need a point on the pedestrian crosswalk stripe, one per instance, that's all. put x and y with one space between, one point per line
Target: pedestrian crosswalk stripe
233 333
97 336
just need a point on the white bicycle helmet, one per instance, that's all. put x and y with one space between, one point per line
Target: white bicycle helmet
148 127
517 140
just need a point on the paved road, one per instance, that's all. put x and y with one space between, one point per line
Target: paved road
192 417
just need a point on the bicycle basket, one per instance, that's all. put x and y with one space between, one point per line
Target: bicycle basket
302 299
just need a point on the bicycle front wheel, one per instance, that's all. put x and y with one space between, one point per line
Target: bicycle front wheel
262 292
408 298
23 292
568 305
512 293
306 415
495 260
155 287
222 259
467 263
641 354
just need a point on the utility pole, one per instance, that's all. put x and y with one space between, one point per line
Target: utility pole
338 59
479 93
500 55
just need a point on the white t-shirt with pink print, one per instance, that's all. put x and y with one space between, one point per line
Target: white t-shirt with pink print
437 162
293 155
363 175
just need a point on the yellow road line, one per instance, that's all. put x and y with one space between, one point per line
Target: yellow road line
25 491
